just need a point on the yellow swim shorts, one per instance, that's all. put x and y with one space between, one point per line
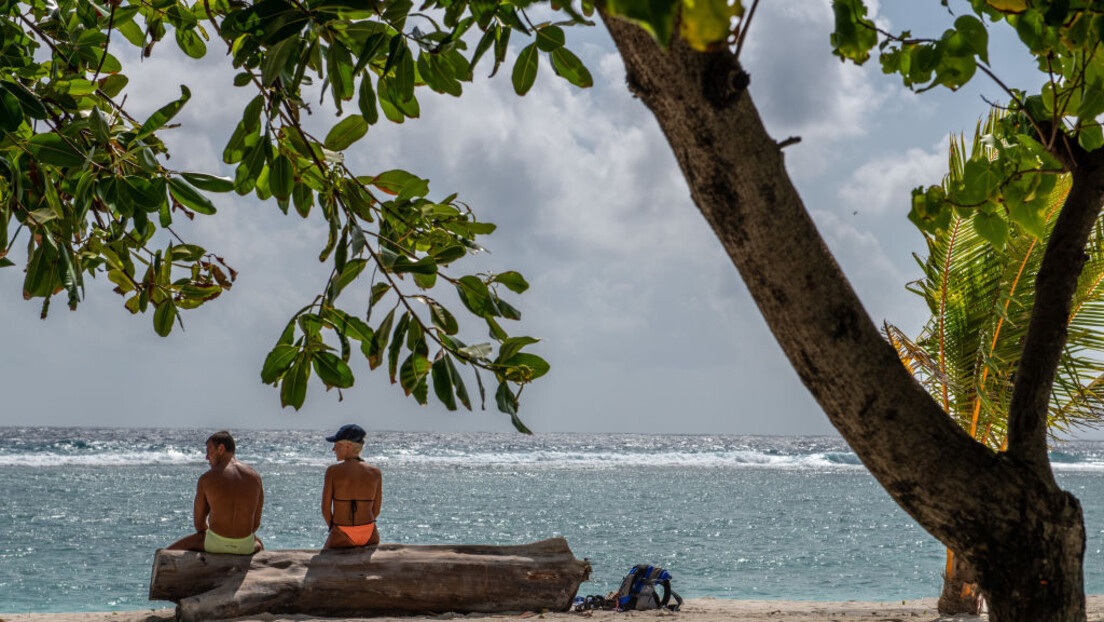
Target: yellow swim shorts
214 543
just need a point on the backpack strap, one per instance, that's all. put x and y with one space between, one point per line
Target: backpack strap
678 600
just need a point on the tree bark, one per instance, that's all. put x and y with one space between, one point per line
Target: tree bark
387 579
1024 536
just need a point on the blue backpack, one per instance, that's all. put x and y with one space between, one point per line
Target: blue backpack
638 590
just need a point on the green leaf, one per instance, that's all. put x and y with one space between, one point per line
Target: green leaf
164 317
507 403
513 281
52 149
42 271
378 292
974 33
113 85
399 182
187 252
11 113
293 388
458 383
706 24
347 132
443 319
367 101
31 104
276 59
277 362
191 43
413 371
190 197
340 68
281 179
1092 103
442 383
333 371
525 367
210 183
550 38
396 345
980 179
1090 138
374 351
348 274
164 114
425 265
657 17
350 326
991 227
525 69
513 345
568 66
100 125
854 35
474 294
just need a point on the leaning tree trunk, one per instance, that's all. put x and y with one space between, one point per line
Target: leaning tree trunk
370 581
1025 536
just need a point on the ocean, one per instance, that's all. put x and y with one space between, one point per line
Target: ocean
83 509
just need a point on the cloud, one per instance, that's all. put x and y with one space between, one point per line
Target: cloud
643 315
884 183
801 89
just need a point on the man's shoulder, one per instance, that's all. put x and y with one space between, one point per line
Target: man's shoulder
247 470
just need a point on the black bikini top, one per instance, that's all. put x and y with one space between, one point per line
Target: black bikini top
352 502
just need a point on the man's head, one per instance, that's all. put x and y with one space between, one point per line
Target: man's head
220 447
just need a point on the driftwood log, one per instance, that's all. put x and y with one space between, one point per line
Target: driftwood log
388 579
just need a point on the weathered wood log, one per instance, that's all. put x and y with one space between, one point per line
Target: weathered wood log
387 579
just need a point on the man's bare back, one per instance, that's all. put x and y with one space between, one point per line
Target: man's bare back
233 497
228 504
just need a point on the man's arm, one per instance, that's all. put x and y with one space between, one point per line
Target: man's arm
200 508
260 505
327 497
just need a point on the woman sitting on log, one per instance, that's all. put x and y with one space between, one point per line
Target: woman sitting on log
351 493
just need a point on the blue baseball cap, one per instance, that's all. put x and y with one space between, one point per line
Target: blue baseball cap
349 432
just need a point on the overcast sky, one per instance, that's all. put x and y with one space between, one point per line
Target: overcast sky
644 319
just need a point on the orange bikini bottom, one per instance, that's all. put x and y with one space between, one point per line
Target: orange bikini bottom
344 536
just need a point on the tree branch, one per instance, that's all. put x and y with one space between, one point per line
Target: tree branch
1055 286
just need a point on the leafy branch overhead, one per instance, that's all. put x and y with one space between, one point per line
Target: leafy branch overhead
1007 184
90 188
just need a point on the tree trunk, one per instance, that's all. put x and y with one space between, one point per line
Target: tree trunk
370 581
960 589
1024 536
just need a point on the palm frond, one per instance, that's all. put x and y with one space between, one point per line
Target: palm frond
981 299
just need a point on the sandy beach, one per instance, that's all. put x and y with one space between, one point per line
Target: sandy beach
694 610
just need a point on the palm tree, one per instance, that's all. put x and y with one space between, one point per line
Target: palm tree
980 297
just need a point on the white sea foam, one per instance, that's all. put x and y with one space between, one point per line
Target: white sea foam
539 458
552 451
117 458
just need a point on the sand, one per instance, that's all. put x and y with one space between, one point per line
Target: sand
694 610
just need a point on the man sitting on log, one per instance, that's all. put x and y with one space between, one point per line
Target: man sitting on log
351 492
228 502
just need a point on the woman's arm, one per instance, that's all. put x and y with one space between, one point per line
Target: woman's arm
327 498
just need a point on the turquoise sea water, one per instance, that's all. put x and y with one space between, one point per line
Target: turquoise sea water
82 511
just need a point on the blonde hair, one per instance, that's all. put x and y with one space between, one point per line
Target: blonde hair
354 448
